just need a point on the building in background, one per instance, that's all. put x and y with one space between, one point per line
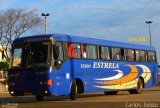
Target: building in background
3 73
2 54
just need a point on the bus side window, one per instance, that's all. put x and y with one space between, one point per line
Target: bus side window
142 56
77 50
132 55
137 55
74 50
129 55
70 48
151 56
84 50
91 52
116 53
59 48
104 53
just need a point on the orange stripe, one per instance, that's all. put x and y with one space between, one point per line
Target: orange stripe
132 75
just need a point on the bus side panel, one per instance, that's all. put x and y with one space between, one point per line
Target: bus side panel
62 78
93 72
154 75
112 77
101 75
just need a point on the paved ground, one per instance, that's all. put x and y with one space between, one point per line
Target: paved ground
150 98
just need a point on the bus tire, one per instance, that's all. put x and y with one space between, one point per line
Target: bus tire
111 93
139 87
73 91
39 98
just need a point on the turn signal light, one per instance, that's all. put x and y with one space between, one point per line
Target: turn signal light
50 82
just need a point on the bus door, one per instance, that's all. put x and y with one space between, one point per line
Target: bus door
61 69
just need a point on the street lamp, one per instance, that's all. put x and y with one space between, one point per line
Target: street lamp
149 22
45 15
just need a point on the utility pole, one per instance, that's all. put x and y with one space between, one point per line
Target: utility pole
46 22
149 22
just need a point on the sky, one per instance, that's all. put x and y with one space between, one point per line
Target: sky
117 20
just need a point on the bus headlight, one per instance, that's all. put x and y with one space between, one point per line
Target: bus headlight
12 84
43 83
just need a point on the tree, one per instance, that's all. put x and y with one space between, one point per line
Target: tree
13 23
4 66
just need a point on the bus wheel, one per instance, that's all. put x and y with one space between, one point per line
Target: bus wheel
73 91
139 88
111 93
39 98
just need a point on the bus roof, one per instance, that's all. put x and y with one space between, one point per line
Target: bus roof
78 39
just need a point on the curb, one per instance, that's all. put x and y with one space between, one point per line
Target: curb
4 92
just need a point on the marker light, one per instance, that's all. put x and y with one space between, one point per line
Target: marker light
50 82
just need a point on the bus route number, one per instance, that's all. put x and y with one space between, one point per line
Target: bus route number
85 66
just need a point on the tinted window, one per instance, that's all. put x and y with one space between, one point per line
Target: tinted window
31 55
116 54
17 57
91 52
60 48
84 50
77 50
151 56
137 55
142 56
104 53
129 55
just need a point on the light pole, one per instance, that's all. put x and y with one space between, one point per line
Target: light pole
149 22
46 24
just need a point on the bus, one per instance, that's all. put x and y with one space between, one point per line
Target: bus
65 65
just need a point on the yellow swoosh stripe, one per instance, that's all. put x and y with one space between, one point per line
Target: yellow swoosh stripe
131 84
131 76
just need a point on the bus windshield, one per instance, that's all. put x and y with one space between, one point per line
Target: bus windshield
32 55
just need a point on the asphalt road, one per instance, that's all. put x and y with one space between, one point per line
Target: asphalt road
150 98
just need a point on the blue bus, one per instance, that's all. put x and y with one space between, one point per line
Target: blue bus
56 65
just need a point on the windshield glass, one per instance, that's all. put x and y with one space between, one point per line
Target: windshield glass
31 55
